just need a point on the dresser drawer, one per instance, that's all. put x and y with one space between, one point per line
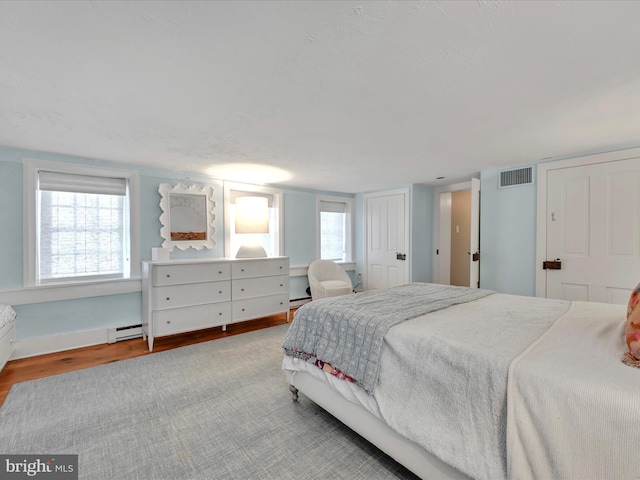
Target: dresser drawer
259 286
173 296
260 306
190 273
260 268
177 320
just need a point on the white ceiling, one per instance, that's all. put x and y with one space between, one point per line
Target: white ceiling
329 95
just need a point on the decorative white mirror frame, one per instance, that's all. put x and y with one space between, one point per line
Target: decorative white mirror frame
186 212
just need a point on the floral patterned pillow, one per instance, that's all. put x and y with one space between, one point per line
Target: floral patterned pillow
632 332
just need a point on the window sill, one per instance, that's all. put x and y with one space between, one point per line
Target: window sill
301 271
52 293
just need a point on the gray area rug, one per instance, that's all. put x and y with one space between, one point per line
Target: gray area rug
215 410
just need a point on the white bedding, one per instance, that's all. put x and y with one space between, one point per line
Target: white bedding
574 407
462 420
7 314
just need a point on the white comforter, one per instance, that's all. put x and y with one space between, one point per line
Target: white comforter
574 407
443 377
7 314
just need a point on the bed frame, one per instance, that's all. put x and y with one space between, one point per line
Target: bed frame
404 451
7 342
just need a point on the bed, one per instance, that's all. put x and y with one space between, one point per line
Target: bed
482 385
7 333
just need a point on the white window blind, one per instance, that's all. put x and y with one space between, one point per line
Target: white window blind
334 207
333 230
82 227
68 182
236 193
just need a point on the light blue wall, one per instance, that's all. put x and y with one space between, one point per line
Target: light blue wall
507 236
11 240
300 233
68 316
508 247
300 227
421 233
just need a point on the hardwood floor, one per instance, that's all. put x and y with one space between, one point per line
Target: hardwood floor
31 368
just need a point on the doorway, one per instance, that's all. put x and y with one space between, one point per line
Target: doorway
456 259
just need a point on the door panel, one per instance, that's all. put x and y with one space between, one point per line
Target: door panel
593 226
386 237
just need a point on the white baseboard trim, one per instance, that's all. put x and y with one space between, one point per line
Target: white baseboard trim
58 343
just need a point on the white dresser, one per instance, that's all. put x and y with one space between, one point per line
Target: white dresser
183 295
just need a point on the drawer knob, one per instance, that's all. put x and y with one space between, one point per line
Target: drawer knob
280 303
220 272
168 321
220 291
168 298
281 267
243 309
242 269
168 275
219 313
281 285
242 289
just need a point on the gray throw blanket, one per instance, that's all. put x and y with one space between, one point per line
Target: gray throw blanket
348 331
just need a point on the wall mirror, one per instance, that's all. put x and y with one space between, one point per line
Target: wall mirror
187 216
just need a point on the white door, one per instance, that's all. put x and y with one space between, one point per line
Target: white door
474 247
593 228
387 240
442 261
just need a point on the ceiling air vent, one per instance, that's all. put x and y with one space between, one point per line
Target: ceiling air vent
513 178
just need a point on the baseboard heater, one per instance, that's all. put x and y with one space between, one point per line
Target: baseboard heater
125 333
135 331
298 302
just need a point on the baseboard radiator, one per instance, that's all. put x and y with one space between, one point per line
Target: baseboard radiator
125 333
298 302
135 331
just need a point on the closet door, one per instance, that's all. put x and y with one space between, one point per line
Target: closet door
593 228
387 239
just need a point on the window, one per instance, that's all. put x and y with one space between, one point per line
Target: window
334 228
80 224
273 241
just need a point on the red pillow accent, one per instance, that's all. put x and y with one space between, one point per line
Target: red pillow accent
632 332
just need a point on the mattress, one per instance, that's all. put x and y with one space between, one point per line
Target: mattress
443 377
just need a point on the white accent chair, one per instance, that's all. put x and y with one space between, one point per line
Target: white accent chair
328 279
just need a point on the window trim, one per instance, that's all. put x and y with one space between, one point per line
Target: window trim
278 205
31 169
348 201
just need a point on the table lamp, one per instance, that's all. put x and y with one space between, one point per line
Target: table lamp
252 217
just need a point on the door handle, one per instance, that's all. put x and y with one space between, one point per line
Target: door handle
401 256
552 264
475 257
